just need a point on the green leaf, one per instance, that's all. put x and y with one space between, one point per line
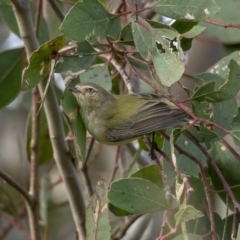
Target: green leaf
201 109
187 213
191 10
142 38
203 134
87 20
97 219
223 92
183 162
183 26
198 196
223 114
115 29
118 211
231 86
11 62
202 226
150 173
188 29
137 196
235 133
195 31
98 74
229 166
206 77
139 65
157 25
71 108
221 68
81 60
7 13
166 54
40 63
204 92
126 35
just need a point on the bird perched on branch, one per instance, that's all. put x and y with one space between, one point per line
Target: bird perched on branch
119 119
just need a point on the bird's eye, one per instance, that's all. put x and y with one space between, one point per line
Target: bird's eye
90 90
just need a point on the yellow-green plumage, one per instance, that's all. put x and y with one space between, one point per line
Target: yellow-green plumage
117 119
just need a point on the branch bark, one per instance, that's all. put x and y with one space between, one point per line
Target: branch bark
54 118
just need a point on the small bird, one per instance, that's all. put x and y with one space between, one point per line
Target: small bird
119 119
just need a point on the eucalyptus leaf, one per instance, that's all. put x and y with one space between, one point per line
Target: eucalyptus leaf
167 53
228 89
40 63
87 20
190 10
187 213
11 62
137 195
142 38
97 220
82 59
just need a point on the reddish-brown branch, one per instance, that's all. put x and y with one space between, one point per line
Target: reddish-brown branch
116 166
130 12
221 24
38 16
56 9
17 187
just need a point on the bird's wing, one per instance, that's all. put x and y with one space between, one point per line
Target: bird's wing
151 116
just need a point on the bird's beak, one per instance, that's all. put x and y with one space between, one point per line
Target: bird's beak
73 89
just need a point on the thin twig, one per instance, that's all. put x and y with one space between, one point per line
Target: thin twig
38 16
163 224
56 9
116 166
89 150
34 165
220 24
226 217
13 223
17 187
159 165
140 76
85 171
235 223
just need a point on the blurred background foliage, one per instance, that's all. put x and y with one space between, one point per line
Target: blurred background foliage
204 50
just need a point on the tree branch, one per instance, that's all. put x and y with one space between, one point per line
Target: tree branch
17 187
54 119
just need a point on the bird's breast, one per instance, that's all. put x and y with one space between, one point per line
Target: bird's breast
96 126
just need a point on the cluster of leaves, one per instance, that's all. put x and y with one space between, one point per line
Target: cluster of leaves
154 51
